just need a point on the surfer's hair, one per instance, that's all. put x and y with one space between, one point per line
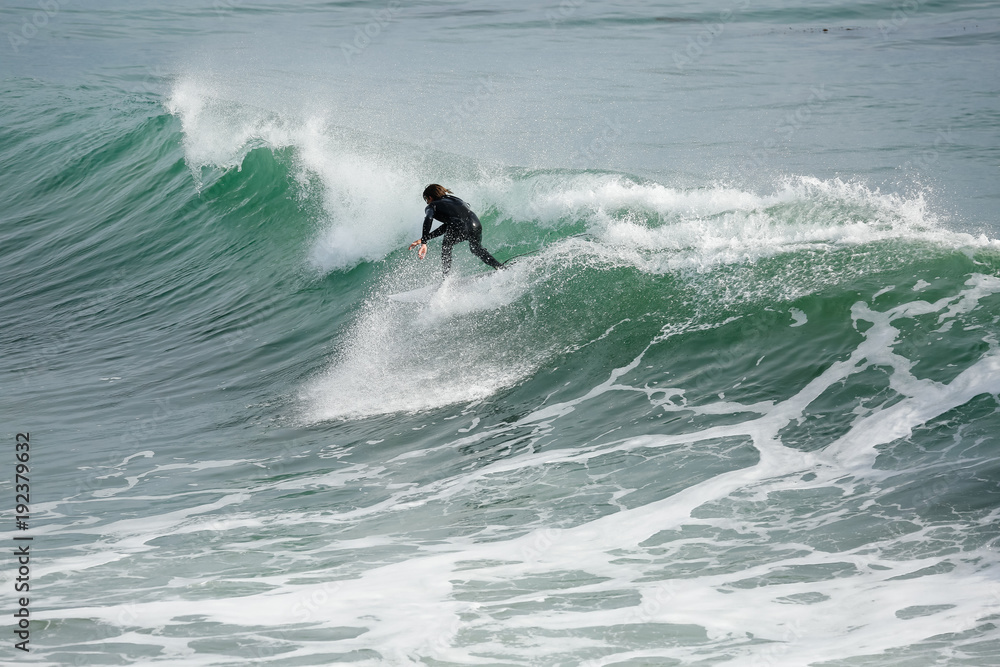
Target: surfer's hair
435 191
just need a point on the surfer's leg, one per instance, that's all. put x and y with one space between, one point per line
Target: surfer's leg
446 245
483 254
476 246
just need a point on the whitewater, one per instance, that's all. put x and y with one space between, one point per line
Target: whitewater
735 402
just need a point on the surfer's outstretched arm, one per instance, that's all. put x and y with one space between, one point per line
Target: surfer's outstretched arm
422 242
426 233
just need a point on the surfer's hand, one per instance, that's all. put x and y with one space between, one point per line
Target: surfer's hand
423 248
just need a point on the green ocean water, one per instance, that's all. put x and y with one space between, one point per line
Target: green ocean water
735 402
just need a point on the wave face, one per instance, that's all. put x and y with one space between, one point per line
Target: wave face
696 420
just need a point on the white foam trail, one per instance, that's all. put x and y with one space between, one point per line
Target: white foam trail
949 600
410 358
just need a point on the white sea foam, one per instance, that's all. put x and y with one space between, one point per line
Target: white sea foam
370 196
738 577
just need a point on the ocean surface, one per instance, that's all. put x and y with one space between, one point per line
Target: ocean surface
734 403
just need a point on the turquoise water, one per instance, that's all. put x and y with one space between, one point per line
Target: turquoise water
736 402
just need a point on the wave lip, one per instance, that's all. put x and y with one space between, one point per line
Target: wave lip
370 203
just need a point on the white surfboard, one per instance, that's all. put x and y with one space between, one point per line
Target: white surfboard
418 295
423 294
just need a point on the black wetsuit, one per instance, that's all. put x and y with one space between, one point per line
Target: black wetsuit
458 223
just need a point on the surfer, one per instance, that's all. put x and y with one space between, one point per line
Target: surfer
458 223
